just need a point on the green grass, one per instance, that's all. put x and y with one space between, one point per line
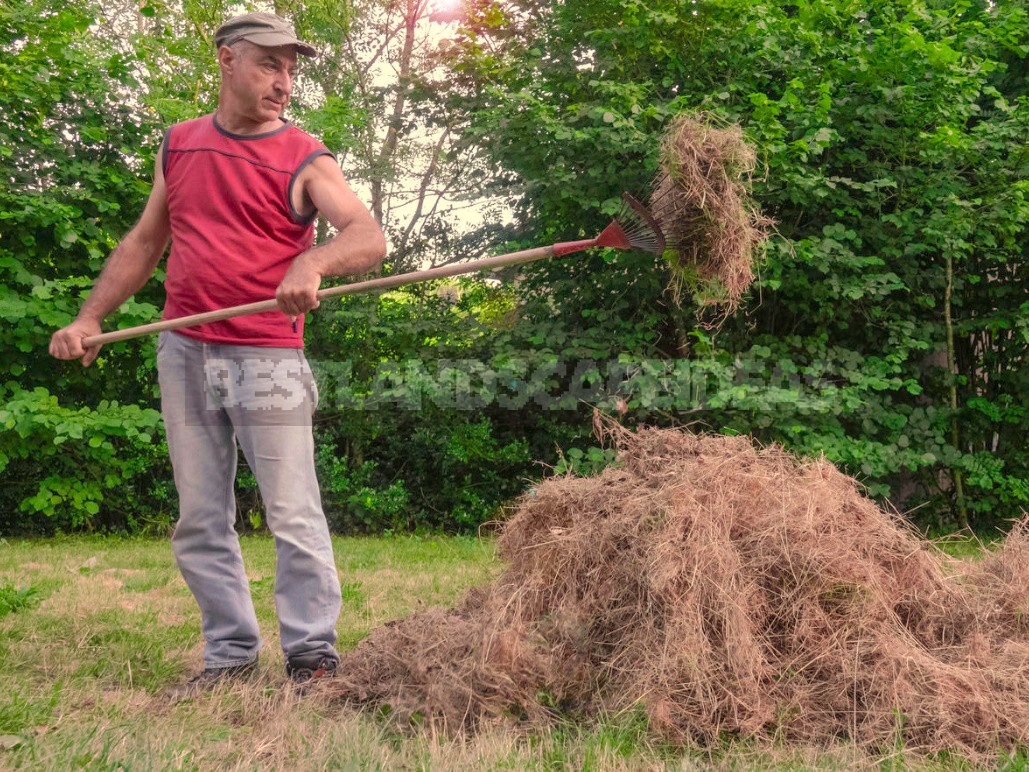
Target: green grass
97 628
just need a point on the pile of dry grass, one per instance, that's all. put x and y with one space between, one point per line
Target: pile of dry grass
702 201
719 587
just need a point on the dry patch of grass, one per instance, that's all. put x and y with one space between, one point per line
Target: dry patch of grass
83 670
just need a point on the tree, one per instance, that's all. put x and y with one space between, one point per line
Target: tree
72 179
887 329
381 102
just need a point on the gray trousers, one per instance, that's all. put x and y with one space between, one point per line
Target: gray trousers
212 396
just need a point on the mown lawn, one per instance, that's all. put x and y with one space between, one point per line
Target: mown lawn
93 629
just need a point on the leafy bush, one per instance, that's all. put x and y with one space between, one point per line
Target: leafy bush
352 500
887 327
71 187
888 330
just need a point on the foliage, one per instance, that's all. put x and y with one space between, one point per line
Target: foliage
351 502
12 599
585 463
72 181
381 100
408 439
888 327
81 452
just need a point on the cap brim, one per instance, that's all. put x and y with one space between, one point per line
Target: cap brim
276 39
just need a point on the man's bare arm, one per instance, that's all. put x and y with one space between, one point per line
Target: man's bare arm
127 269
357 248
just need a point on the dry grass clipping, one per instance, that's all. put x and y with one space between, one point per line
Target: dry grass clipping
702 201
721 588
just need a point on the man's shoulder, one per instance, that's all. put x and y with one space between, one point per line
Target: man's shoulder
202 123
202 120
299 135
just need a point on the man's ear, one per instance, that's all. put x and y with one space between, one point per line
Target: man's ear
226 57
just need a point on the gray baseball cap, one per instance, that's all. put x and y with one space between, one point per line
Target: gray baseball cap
262 29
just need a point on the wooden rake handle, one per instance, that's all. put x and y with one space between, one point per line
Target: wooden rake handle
357 288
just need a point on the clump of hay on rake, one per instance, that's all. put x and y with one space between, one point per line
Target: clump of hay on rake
701 198
718 587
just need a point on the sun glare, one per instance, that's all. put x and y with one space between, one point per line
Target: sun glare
446 10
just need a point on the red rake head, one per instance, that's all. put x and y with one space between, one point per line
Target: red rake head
633 228
614 235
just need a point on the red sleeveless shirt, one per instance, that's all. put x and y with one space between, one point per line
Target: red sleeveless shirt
234 228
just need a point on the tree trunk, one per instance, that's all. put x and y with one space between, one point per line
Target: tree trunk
955 437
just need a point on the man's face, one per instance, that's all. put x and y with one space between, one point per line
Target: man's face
261 80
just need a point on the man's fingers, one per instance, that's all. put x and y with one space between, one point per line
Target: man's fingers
66 343
65 347
286 303
293 305
56 348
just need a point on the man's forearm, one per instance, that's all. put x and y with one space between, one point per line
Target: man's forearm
354 251
127 269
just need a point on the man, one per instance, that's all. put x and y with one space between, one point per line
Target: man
237 193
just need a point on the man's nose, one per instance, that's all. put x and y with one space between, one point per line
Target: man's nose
284 83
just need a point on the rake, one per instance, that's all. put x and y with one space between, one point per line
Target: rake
633 228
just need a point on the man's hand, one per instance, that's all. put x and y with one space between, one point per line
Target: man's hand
66 343
298 291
